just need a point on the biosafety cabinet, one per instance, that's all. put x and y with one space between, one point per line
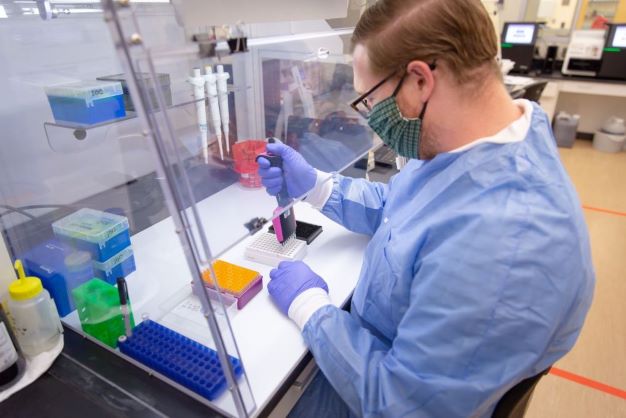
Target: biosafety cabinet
129 133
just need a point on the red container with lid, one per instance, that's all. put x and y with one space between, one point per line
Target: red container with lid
245 153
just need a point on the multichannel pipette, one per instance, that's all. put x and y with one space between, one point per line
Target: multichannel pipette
285 223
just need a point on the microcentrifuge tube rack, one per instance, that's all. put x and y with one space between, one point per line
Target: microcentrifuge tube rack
267 250
179 358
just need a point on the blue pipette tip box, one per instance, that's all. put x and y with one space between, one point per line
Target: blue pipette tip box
120 265
181 359
103 234
86 102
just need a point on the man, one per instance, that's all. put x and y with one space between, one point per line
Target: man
478 274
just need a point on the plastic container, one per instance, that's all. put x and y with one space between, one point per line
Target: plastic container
120 265
612 137
78 270
179 358
102 234
11 362
99 311
565 128
164 85
60 271
35 318
87 102
47 261
245 153
237 281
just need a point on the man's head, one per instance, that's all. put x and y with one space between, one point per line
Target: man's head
405 37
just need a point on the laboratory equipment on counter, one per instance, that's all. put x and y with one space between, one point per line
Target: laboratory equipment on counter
179 358
35 318
237 40
265 249
207 43
197 81
103 234
550 60
11 363
614 56
99 311
122 290
584 53
240 282
222 91
518 44
86 102
244 154
285 222
304 231
60 270
611 137
211 89
120 265
164 86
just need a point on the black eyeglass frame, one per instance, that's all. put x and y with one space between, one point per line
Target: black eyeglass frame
361 99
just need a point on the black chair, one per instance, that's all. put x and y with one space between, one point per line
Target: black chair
515 402
534 91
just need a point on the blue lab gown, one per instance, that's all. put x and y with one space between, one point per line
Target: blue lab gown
478 275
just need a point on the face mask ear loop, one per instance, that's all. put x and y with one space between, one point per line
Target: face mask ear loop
395 92
421 116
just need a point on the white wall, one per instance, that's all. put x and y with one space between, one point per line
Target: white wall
512 10
200 13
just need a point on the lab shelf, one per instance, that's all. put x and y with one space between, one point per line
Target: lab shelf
72 137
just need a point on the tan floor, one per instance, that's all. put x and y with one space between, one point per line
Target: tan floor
600 178
600 353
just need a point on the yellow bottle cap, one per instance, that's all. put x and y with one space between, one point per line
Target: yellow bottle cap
24 287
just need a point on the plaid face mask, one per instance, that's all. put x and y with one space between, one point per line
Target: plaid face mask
397 132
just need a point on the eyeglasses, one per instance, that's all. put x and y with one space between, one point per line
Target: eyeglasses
362 105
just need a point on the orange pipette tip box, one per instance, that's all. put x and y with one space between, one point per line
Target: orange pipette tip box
235 280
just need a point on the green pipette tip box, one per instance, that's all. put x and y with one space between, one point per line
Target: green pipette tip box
98 306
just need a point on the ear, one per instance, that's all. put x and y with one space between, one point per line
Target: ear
422 77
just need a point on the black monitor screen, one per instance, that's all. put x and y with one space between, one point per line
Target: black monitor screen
520 33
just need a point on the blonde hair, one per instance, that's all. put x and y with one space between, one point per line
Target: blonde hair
458 33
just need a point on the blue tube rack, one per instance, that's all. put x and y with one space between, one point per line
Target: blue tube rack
179 358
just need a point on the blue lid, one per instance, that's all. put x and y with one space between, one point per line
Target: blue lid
118 258
90 225
87 90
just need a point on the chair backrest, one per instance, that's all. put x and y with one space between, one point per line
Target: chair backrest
515 402
534 91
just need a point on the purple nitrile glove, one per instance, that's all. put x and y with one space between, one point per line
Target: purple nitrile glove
289 280
300 176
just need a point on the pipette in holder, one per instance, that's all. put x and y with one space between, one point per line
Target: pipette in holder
197 81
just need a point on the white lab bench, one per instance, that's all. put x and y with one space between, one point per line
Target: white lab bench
594 100
270 344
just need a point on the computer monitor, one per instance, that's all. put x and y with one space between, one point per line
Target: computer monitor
520 33
614 53
617 36
518 44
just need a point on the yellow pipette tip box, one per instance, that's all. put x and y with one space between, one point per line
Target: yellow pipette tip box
231 278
